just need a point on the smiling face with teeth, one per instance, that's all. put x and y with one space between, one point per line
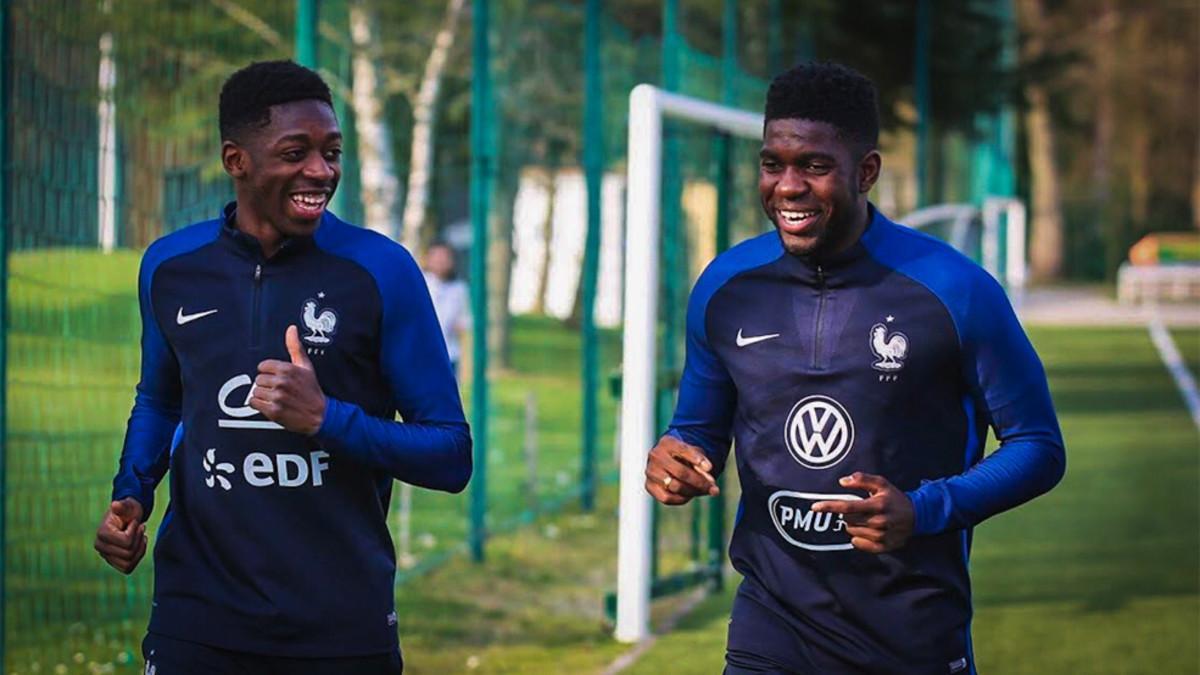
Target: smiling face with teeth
285 172
814 185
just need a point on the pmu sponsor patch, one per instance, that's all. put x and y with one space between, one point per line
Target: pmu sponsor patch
800 526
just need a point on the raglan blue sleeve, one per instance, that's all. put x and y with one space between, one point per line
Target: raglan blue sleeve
432 447
1007 383
156 406
707 395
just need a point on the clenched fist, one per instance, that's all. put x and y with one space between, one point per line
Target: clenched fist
121 537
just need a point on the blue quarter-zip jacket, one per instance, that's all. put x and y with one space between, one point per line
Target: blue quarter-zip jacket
274 542
891 358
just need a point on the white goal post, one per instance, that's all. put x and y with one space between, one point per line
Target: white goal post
1002 222
648 106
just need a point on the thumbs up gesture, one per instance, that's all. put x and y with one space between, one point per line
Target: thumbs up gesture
288 393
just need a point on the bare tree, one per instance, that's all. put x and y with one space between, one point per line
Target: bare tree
1196 188
424 106
1046 242
380 187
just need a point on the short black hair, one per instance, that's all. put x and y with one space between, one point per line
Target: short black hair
828 92
248 94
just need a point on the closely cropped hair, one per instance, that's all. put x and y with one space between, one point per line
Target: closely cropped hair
248 94
828 92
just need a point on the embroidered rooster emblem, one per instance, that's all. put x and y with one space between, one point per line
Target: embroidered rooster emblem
320 325
891 349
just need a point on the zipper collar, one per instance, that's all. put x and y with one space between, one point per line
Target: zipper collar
249 246
835 269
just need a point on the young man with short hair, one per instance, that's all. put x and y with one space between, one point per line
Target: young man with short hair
857 364
282 342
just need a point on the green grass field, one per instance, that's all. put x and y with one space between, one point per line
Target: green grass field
1100 576
1188 342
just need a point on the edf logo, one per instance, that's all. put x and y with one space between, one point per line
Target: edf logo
262 470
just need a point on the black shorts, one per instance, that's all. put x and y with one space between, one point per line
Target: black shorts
168 656
761 642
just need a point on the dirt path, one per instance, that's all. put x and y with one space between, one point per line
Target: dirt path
1095 306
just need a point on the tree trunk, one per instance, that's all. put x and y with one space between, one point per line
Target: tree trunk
1196 188
421 159
1103 131
144 168
1046 242
547 240
500 258
380 187
1139 179
1139 140
1105 122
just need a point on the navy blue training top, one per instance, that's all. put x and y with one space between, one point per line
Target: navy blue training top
274 542
892 358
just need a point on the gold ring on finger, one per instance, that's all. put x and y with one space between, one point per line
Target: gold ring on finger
667 481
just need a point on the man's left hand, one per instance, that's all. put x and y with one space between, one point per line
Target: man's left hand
880 523
288 393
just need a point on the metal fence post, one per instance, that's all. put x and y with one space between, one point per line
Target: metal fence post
530 450
921 83
593 163
482 170
307 15
729 77
5 66
775 63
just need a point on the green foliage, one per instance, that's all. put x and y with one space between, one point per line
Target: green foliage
1121 78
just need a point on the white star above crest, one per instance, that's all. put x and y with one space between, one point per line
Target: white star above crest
321 295
890 318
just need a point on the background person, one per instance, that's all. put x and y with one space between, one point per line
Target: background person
451 298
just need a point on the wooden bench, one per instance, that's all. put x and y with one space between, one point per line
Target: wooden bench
1152 283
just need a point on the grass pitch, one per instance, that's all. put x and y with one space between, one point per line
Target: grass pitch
1100 576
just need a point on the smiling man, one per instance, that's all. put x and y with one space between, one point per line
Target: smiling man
857 365
278 345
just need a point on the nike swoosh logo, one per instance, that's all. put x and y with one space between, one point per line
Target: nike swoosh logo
182 318
747 341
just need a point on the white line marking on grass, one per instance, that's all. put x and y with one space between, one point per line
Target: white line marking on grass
1174 363
630 657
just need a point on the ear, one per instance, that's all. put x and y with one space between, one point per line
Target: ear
235 159
868 171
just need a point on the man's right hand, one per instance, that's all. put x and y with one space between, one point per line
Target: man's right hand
676 472
121 537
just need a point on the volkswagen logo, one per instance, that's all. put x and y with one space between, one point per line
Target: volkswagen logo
819 432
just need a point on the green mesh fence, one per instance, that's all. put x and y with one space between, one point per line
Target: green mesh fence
110 128
98 167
